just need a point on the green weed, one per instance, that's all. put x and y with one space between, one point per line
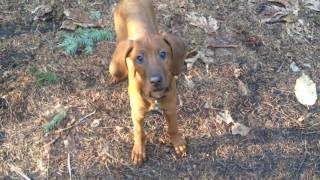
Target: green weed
43 78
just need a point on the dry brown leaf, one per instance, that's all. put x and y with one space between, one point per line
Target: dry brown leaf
193 57
41 12
241 129
244 90
95 123
77 17
209 25
68 24
224 117
313 5
284 3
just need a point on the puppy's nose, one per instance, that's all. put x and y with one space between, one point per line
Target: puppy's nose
156 80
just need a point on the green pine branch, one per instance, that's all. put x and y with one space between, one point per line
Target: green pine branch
85 38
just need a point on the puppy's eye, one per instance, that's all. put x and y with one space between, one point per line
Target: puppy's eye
140 59
163 55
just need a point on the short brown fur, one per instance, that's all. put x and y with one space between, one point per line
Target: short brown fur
137 33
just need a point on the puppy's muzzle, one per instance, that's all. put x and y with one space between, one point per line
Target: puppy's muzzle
156 81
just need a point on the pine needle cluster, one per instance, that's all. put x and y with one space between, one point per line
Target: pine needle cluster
85 38
43 78
95 15
55 121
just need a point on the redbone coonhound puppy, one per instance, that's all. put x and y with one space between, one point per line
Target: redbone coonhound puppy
150 60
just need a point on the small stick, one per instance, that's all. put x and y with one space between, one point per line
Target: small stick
80 120
110 156
18 171
223 46
76 122
69 166
52 141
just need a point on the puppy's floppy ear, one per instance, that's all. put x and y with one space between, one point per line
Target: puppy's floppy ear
118 67
178 49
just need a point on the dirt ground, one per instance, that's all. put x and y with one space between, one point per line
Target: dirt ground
284 139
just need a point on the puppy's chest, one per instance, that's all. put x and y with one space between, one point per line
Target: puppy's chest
155 106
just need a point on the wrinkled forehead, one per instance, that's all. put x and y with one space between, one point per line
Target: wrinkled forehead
151 44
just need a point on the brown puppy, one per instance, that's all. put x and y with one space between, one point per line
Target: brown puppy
150 60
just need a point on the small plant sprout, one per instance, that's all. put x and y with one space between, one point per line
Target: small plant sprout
43 78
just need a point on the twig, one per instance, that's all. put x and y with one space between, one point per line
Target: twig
76 122
279 69
312 132
300 166
69 166
310 113
52 141
110 156
18 171
223 46
48 165
81 119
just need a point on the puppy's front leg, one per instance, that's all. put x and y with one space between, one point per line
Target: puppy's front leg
177 140
139 149
169 107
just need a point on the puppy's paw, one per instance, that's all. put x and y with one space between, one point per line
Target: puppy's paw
179 144
138 154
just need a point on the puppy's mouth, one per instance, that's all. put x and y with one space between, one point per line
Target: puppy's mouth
158 93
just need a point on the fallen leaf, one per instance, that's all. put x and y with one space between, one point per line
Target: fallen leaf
77 17
190 83
244 90
209 25
305 90
290 18
212 25
209 104
282 3
307 65
68 24
281 11
312 4
192 57
41 12
241 129
224 117
95 123
237 72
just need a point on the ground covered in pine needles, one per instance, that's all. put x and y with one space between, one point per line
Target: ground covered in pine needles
245 70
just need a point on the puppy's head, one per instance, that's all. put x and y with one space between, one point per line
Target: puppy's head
154 61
